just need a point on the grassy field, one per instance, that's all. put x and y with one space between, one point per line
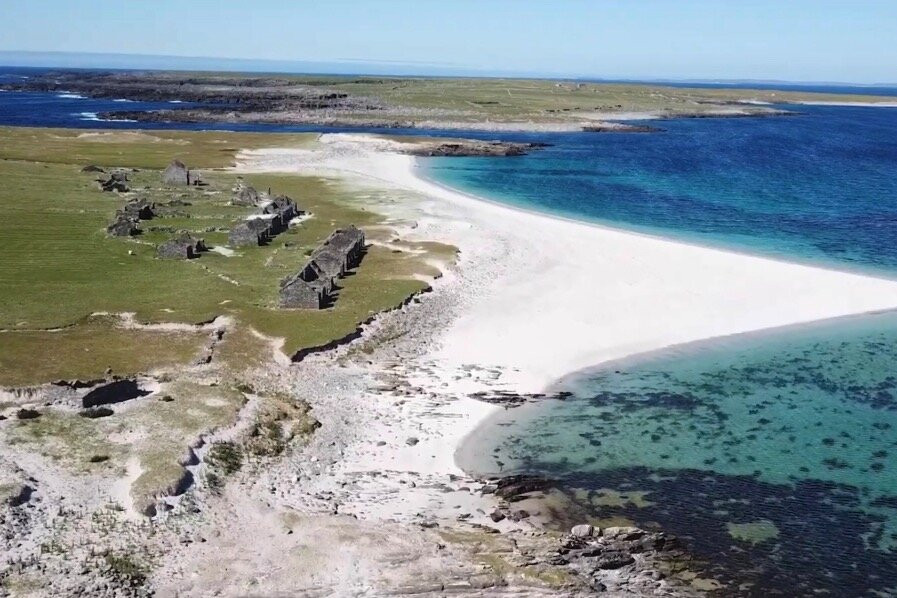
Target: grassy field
57 265
469 99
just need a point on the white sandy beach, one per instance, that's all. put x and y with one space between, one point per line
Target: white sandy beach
563 295
531 299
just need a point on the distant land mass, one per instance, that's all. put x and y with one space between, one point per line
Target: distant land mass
352 66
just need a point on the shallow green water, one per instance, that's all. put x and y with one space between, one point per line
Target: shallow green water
772 454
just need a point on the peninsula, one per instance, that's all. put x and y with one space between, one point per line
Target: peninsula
396 102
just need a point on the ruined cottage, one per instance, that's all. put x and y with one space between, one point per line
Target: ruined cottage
245 234
347 243
138 209
176 174
302 295
123 226
244 195
274 217
183 247
313 286
117 181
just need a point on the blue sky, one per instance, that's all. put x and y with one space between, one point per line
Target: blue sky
795 40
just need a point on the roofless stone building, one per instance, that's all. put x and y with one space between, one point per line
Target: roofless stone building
258 229
313 285
182 247
176 174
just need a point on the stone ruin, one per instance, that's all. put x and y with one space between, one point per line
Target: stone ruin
246 195
126 219
313 286
273 218
181 247
177 173
117 181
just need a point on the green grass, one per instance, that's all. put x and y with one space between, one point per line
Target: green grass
473 99
87 349
136 149
57 265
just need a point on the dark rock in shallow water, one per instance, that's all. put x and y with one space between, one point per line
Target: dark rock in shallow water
513 486
469 148
513 399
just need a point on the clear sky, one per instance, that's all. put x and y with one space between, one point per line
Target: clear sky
796 40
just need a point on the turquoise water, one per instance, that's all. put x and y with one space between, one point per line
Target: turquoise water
771 454
793 432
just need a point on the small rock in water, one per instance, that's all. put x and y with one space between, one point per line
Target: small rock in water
412 441
496 515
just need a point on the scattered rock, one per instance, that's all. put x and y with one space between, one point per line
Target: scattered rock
18 494
96 412
26 413
412 441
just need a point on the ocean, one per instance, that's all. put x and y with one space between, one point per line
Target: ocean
771 454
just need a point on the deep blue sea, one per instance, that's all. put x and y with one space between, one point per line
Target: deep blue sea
771 454
819 186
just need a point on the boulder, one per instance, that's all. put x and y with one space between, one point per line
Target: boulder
26 413
176 174
623 533
582 531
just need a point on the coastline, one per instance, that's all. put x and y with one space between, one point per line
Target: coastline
631 293
531 299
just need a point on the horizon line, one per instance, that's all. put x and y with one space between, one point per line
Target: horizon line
455 70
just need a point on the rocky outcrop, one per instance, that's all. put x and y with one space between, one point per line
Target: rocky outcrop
468 147
615 127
